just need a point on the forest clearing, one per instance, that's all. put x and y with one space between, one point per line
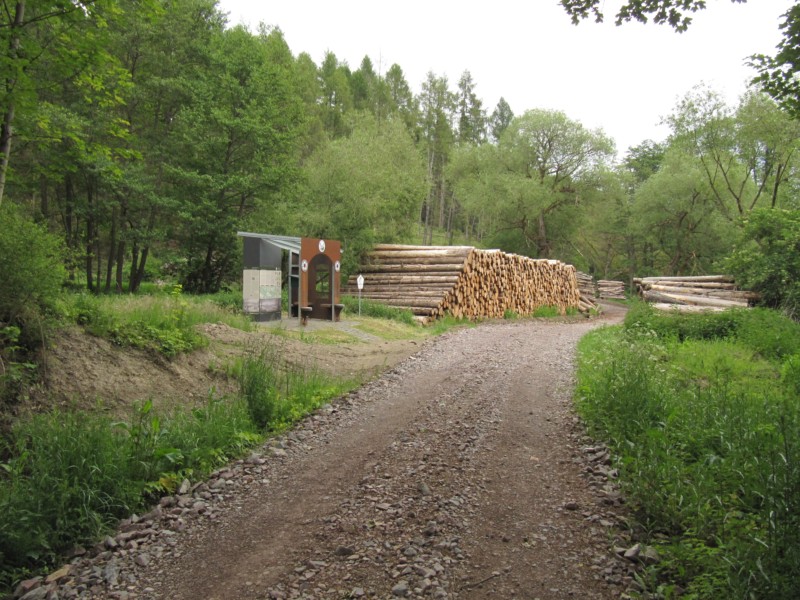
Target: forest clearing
159 441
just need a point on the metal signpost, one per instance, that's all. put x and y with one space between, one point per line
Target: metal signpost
360 284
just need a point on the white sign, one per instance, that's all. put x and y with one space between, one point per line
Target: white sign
322 245
337 265
304 265
360 282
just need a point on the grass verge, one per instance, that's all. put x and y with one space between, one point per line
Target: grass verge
702 413
67 477
164 323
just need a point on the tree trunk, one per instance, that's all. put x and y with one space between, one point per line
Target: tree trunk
6 130
112 248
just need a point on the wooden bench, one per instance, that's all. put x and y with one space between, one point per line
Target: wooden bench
337 308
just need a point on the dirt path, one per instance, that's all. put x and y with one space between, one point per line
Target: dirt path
461 473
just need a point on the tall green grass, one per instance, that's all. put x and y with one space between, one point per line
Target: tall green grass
704 417
67 477
376 309
164 323
277 394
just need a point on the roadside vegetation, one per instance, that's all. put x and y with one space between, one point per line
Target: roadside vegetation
703 415
67 477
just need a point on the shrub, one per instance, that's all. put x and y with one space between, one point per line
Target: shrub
30 267
767 257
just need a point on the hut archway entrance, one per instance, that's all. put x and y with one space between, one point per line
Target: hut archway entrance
320 290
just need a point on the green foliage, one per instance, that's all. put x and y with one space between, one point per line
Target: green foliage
377 310
166 324
277 395
707 443
547 312
767 332
30 267
71 475
767 258
364 188
31 274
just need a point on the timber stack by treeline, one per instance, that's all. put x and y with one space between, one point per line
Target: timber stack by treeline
691 294
464 281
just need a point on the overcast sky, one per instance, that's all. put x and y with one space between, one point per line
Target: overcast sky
620 79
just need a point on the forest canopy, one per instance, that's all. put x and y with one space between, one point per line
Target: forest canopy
141 136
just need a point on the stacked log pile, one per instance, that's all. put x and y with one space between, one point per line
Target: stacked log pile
465 282
693 294
588 289
610 289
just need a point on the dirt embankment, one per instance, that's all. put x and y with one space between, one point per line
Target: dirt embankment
86 372
462 472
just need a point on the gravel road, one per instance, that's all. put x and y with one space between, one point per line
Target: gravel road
461 473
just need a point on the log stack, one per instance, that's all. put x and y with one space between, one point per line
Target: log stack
588 290
465 282
610 289
694 294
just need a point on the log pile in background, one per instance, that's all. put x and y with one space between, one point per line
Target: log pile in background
610 289
694 294
588 290
465 282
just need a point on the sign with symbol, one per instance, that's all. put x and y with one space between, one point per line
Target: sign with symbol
337 265
360 282
304 265
322 245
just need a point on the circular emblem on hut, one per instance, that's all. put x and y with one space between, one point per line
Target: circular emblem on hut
304 265
337 266
322 245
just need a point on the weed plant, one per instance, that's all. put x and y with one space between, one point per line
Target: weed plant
702 413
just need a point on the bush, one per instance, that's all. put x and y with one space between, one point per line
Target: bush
30 267
706 433
767 332
31 274
767 258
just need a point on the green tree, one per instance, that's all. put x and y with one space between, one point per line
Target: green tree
746 155
675 219
501 118
779 75
527 191
238 140
766 259
365 188
675 13
552 159
337 97
471 116
401 97
437 109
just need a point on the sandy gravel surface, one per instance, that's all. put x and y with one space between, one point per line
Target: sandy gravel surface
461 473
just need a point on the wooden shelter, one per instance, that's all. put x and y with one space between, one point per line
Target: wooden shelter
314 267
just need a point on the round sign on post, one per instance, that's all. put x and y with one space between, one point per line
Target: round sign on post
360 284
